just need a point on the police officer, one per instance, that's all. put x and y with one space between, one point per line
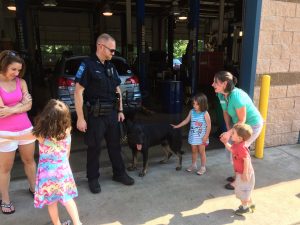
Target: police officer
97 83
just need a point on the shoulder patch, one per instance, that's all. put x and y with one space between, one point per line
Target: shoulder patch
80 70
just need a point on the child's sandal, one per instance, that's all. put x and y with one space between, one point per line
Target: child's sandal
7 206
201 171
191 168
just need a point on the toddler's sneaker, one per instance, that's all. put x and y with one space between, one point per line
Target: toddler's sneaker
252 207
201 171
241 210
191 168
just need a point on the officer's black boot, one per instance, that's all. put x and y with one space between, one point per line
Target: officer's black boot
124 179
94 186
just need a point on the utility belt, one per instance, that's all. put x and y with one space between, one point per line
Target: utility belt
100 108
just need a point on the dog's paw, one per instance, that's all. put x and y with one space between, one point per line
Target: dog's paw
142 174
132 168
178 168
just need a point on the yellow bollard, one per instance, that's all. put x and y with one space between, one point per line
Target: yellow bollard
263 108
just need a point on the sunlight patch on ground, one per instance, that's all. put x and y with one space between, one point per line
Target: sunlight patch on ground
160 220
274 200
114 223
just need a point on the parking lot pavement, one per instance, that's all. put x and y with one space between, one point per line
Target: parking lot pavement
166 196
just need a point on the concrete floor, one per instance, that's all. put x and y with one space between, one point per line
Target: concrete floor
165 196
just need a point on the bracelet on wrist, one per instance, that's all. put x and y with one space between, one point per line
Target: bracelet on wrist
120 111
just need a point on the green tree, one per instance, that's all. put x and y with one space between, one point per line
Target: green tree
179 48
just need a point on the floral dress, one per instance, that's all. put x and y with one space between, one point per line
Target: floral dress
54 179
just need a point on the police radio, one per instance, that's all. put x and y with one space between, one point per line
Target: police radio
109 72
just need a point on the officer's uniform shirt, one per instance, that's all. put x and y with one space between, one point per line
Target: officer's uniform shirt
99 80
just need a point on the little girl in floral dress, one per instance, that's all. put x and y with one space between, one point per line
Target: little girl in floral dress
54 179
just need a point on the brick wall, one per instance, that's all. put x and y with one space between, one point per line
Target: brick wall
279 57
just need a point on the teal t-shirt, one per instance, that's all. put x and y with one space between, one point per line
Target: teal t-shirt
236 100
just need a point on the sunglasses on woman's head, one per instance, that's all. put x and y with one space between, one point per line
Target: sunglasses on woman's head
11 53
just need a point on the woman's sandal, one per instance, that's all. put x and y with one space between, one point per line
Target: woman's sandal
230 179
31 192
7 206
229 186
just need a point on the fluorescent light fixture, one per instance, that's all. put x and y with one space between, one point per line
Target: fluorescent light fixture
11 6
107 11
182 17
241 33
49 3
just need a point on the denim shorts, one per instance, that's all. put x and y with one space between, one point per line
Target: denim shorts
12 145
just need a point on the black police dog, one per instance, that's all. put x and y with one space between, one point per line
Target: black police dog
141 137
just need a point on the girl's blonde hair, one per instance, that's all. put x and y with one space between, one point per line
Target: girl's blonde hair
53 121
243 130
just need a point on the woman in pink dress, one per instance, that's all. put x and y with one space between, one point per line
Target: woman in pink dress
15 101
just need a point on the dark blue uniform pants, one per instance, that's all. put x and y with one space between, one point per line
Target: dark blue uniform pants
97 128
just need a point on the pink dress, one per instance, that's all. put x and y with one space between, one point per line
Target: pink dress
54 179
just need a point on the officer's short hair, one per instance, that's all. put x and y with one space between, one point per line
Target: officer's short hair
105 37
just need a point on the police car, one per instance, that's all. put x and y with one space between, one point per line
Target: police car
65 72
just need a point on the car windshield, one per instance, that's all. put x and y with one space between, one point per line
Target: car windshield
71 66
122 67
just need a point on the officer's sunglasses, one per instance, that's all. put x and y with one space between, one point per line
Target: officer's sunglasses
112 51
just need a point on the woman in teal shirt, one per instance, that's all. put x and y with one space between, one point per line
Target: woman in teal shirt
237 107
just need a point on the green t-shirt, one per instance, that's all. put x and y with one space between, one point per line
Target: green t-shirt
236 100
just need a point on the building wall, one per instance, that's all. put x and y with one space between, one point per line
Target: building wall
279 57
7 28
64 28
